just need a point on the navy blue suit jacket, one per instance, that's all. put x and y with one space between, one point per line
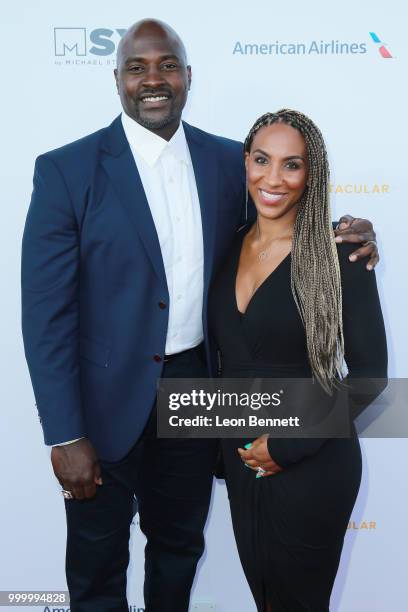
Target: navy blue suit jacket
93 277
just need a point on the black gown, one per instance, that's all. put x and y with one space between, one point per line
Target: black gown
290 527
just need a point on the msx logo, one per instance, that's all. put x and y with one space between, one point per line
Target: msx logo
74 41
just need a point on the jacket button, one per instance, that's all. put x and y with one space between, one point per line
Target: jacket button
157 358
162 305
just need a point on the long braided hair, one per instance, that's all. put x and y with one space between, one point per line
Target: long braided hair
315 271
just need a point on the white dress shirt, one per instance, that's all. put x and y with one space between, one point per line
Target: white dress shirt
167 175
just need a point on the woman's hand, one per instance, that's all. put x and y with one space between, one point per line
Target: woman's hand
258 456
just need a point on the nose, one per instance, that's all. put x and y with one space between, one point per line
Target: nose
153 77
274 175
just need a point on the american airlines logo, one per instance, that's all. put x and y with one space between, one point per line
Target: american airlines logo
384 52
312 48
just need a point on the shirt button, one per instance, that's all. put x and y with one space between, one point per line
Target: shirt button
171 179
162 305
179 297
157 358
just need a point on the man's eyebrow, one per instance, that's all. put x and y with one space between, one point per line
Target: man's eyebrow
285 158
142 60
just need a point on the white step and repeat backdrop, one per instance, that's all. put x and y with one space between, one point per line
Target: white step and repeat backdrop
345 64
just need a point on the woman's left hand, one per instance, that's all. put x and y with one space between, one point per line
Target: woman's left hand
258 456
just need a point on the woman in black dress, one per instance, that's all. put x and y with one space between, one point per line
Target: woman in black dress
288 303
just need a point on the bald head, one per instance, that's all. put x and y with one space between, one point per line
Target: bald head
153 29
152 76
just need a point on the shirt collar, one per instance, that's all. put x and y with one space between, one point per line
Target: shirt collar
150 146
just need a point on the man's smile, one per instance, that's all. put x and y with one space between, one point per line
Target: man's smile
155 100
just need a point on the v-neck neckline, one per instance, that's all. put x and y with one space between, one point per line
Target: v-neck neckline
235 276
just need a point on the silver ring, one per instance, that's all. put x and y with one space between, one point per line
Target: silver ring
67 494
260 470
374 242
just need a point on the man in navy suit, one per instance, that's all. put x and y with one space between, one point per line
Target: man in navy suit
123 233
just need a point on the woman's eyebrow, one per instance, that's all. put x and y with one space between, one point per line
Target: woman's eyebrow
261 152
293 157
285 158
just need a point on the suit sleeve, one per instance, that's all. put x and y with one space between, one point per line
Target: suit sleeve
50 314
365 353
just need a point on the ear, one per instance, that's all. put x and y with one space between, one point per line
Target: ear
115 72
189 76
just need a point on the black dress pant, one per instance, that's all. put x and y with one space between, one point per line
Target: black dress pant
171 480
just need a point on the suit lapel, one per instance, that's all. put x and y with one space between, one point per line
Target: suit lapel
120 166
206 175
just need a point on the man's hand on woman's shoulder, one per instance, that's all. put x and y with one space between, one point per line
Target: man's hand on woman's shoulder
359 231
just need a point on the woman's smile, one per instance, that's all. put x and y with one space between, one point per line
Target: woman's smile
270 198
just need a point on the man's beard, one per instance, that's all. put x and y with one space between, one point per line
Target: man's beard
149 122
